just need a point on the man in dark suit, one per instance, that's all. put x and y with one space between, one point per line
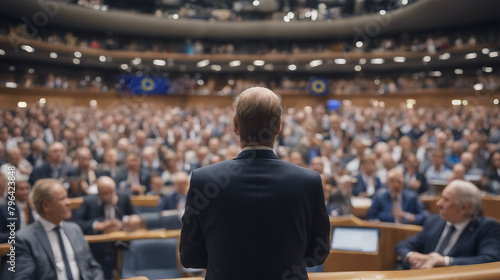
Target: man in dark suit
458 236
104 212
52 248
37 155
396 204
366 183
493 176
84 169
177 199
22 211
134 178
55 167
255 217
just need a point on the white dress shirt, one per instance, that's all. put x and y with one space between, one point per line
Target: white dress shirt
56 249
459 228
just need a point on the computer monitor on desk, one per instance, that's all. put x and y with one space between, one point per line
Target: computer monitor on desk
355 239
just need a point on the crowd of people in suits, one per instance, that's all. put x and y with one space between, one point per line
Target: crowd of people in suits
387 155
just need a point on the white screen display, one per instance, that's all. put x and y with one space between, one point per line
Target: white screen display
355 239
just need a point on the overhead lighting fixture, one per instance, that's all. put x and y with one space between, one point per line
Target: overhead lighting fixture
203 63
436 74
10 85
340 61
102 58
136 61
357 68
487 69
27 48
269 67
404 2
200 82
42 100
426 58
286 19
77 54
175 16
362 61
485 50
316 63
22 104
124 66
98 79
456 102
444 56
292 67
93 103
76 61
411 101
235 63
359 44
381 104
465 102
478 86
159 62
53 55
493 54
382 12
377 61
399 59
459 71
470 55
250 68
2 52
259 62
290 15
495 101
31 70
216 67
256 3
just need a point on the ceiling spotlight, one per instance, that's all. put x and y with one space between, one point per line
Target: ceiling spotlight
459 71
2 52
259 62
136 61
340 61
53 55
444 56
493 54
78 54
159 62
235 63
377 61
359 44
124 66
203 63
470 55
316 63
426 58
102 58
357 68
76 61
292 67
399 59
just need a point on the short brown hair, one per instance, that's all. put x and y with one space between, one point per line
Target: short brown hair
258 115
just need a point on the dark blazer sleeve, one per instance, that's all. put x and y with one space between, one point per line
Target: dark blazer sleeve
377 210
192 247
319 243
89 267
25 263
86 214
488 244
415 243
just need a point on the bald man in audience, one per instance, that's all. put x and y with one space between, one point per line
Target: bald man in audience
457 236
177 199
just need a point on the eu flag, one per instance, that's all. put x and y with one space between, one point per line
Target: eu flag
318 86
148 85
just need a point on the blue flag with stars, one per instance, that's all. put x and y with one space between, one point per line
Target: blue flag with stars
318 86
148 85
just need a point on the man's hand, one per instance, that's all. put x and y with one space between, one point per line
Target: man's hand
423 261
108 226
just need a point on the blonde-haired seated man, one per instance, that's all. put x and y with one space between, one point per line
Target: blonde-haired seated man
52 248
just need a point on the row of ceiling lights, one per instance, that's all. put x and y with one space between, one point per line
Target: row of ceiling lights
267 66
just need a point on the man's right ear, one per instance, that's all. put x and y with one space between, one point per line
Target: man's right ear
235 126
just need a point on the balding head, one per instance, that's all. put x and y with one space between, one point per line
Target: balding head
257 117
106 188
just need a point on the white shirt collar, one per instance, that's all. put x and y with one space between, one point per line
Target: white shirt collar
48 226
459 227
257 148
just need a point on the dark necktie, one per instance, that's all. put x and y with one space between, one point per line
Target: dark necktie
63 252
446 240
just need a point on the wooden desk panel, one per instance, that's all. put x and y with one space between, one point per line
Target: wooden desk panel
137 200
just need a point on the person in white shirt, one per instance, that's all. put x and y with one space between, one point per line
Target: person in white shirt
52 248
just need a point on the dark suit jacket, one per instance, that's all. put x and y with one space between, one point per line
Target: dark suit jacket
478 243
144 179
381 208
45 171
80 174
32 159
254 217
339 203
4 214
360 185
92 210
35 259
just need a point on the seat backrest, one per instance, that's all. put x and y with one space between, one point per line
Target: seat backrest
154 253
152 220
170 222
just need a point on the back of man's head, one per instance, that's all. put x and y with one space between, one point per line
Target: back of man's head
257 116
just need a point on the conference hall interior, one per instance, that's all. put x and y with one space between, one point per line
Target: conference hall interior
392 102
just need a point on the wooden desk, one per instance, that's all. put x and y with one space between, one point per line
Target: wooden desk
4 249
384 259
137 200
491 205
128 236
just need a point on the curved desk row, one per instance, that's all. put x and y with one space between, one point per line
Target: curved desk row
137 200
